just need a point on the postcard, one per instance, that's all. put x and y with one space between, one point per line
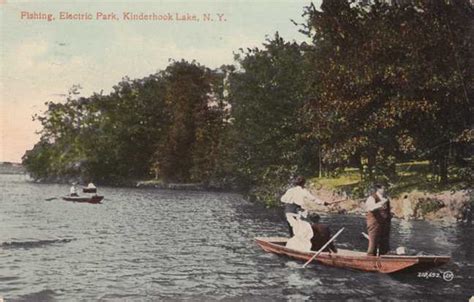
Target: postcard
236 150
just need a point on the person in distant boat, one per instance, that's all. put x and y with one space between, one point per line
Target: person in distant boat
378 221
91 188
295 199
73 190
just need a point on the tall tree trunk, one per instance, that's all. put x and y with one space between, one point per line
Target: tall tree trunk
360 165
392 170
443 169
371 163
320 161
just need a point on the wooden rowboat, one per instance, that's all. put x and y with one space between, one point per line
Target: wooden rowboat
386 264
86 199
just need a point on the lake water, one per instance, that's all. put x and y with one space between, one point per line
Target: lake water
149 245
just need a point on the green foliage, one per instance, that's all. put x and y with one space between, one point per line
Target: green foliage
269 136
269 188
162 123
391 80
381 82
428 205
38 160
186 97
411 176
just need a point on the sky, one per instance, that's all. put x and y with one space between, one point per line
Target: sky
40 59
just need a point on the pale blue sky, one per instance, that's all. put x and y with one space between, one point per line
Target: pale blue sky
40 59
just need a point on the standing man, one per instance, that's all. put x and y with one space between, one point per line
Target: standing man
295 198
378 221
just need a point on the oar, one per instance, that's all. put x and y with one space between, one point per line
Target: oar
337 201
48 199
324 246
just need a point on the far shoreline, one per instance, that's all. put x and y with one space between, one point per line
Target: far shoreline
446 207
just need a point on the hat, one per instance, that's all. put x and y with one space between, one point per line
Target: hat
299 181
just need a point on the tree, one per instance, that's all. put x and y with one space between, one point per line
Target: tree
195 111
267 94
385 83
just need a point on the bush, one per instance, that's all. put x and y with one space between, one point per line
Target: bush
428 205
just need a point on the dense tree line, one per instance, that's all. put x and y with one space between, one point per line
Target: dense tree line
380 82
392 81
167 124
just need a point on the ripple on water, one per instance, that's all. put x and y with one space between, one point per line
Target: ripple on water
197 246
29 244
42 295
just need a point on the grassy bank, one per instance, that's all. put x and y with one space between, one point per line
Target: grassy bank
411 176
415 193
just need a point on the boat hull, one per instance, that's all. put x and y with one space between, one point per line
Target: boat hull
387 264
92 199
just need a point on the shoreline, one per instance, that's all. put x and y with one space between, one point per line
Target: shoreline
449 207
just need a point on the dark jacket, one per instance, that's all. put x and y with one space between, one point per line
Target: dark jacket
382 214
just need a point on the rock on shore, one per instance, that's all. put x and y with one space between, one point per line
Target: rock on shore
446 206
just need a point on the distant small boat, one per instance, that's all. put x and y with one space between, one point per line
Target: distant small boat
386 264
87 199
